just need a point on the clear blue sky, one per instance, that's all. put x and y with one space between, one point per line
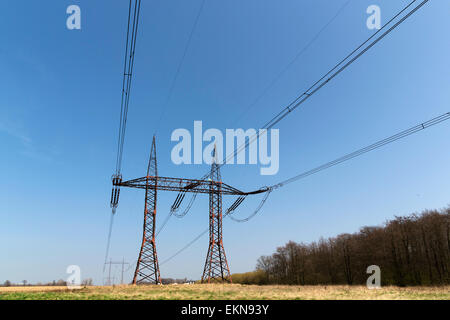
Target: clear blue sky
59 115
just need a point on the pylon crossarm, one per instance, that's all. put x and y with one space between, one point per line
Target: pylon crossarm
177 184
216 264
183 185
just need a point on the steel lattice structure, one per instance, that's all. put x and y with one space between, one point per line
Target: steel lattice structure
147 268
216 265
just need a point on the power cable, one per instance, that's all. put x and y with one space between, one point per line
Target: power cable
400 135
308 93
180 64
332 73
297 56
185 247
376 145
130 48
227 214
169 96
108 242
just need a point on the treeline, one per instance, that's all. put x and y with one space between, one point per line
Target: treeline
253 277
413 250
59 283
172 281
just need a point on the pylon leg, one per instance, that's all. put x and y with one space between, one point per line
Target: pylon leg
216 265
147 267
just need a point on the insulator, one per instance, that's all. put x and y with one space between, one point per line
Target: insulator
115 192
188 207
263 201
181 200
235 204
176 204
115 196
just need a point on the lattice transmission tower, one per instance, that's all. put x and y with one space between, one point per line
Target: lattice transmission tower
216 266
147 267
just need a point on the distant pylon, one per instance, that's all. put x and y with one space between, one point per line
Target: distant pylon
147 268
216 265
123 263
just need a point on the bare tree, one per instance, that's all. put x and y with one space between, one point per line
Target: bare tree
413 250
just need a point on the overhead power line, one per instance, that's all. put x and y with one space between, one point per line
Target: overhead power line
338 68
333 72
185 247
180 64
161 228
130 49
395 137
376 145
108 241
297 56
169 96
